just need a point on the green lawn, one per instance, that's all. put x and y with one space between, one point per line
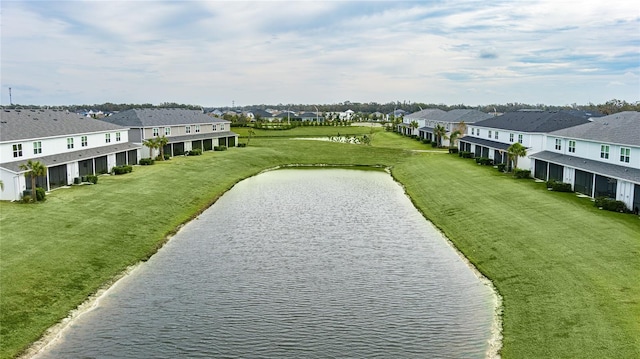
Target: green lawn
568 272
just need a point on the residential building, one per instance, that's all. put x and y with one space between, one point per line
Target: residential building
598 158
492 137
69 144
454 120
420 118
184 129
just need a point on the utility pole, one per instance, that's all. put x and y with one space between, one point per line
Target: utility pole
10 100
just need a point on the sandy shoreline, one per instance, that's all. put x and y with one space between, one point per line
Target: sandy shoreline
56 332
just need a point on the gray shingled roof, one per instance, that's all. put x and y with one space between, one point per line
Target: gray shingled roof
19 125
533 121
466 115
485 143
620 128
597 167
74 156
429 113
154 117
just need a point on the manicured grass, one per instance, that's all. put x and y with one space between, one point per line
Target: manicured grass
307 131
567 271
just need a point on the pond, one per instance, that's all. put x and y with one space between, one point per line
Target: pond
293 263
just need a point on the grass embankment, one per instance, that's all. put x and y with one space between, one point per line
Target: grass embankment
567 272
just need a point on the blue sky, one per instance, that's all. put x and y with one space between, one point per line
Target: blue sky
215 53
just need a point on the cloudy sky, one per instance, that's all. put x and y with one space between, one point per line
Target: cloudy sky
219 53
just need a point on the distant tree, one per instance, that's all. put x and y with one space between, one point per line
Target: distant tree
515 151
34 170
251 133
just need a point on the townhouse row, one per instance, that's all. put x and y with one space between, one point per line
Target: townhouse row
71 145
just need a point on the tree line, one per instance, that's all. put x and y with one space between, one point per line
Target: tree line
607 108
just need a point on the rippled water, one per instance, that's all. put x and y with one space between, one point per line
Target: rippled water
295 264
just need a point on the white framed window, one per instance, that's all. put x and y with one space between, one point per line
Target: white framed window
604 151
519 138
156 132
17 150
473 131
214 127
489 134
70 143
572 146
511 137
496 135
83 141
478 132
37 148
625 153
197 129
558 144
118 137
107 137
222 127
187 129
167 131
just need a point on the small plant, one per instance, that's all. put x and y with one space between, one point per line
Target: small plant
561 187
501 167
145 162
242 144
518 173
610 204
26 198
220 148
120 170
453 150
485 161
41 194
194 152
434 144
426 141
465 154
92 179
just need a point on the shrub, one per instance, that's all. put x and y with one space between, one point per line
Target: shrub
41 194
453 150
610 204
434 144
194 152
426 141
501 167
76 180
465 154
560 186
220 148
92 179
242 144
26 198
120 170
145 162
484 161
518 173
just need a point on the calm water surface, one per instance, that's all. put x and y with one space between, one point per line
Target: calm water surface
295 264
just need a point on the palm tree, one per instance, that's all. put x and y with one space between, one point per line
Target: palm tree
514 151
440 132
453 137
34 170
152 143
413 125
162 141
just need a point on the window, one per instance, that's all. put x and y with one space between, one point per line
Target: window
118 137
511 137
70 143
187 129
489 134
520 138
107 137
478 132
83 141
167 131
222 127
625 154
17 150
604 151
496 135
473 131
156 132
197 128
558 144
37 148
215 127
572 146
